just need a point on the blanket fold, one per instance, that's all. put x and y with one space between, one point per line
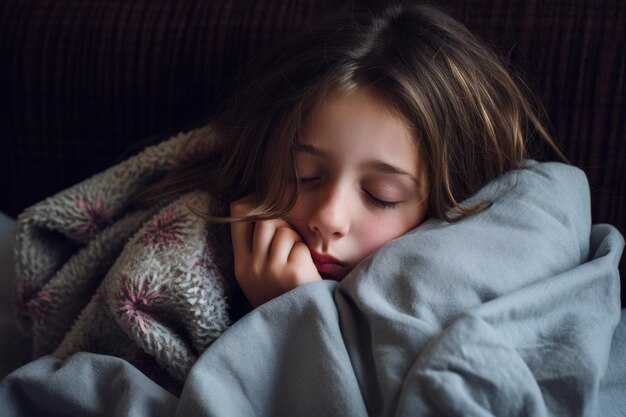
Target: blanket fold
510 312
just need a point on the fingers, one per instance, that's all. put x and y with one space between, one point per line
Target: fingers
252 241
270 256
283 243
264 234
292 257
300 254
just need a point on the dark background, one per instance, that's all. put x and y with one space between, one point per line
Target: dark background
85 84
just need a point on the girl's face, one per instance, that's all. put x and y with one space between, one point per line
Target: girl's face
362 182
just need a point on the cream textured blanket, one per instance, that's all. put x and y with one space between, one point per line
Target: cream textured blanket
143 284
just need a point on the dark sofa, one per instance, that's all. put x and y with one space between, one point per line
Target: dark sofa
87 83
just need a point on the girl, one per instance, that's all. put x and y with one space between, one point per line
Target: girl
351 134
335 143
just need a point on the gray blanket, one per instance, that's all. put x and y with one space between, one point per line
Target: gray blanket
510 312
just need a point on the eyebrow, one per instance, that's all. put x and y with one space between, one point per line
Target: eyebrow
375 164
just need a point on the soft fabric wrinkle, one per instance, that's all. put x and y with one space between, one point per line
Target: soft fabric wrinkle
496 315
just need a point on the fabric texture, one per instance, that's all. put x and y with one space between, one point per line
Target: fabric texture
509 312
143 284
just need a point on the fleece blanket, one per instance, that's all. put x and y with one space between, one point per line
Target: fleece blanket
509 312
145 284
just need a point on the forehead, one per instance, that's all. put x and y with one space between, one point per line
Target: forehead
358 123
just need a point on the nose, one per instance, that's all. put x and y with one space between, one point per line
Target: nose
330 215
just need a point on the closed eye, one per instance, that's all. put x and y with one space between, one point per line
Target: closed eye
304 180
378 202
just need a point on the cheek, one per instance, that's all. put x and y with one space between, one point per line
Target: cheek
376 233
370 242
298 215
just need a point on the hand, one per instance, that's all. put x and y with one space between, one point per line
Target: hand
270 257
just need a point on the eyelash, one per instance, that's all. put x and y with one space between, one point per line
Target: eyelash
385 205
307 180
377 202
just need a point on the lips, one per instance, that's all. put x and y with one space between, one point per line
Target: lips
328 266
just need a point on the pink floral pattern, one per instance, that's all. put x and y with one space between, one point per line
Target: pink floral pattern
164 229
208 270
95 218
33 305
205 266
133 300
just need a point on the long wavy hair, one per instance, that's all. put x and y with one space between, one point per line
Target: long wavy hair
470 119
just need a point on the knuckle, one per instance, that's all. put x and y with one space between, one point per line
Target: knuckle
283 233
281 223
275 271
236 208
241 206
263 226
257 269
300 247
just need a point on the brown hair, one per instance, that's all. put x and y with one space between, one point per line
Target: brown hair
469 117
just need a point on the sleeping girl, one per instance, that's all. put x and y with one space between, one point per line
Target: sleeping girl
350 135
365 195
